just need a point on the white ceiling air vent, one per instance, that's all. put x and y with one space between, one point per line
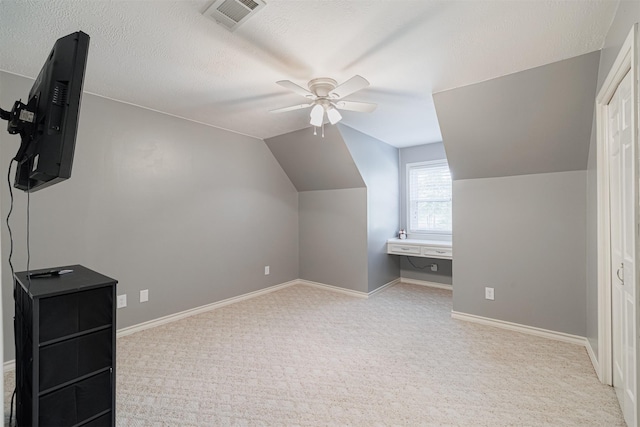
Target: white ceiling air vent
233 13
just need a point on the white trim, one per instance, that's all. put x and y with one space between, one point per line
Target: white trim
208 307
625 61
11 364
603 252
445 235
594 359
350 292
198 310
385 286
517 327
425 283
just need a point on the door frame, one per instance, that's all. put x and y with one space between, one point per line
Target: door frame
626 61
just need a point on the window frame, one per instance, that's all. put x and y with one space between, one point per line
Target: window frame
424 234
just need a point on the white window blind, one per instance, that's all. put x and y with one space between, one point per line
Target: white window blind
429 197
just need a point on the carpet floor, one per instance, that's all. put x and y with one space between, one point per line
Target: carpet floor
304 356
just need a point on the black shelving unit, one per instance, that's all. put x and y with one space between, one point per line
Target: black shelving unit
65 335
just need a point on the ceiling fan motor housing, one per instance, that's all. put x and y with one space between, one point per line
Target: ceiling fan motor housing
322 86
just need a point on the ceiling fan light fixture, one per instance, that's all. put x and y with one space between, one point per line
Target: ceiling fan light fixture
334 115
317 115
317 111
316 121
326 96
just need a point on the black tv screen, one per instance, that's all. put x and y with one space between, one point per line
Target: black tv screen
48 143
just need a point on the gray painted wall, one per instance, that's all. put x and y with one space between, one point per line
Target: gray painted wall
332 207
333 237
321 168
316 163
420 153
627 14
422 271
525 237
378 165
534 121
190 212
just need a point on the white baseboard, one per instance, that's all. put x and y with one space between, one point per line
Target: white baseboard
425 283
203 309
560 336
385 286
198 310
353 293
594 359
531 330
11 364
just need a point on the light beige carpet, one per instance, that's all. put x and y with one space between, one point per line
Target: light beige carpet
304 356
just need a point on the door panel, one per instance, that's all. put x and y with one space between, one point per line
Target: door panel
617 293
623 247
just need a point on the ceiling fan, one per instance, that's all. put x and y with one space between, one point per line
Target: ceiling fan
325 96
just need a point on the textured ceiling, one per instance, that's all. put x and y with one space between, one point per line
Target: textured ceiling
167 56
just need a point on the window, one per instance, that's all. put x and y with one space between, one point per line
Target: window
429 197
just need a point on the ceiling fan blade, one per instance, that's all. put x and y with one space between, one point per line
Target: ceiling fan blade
288 84
292 108
352 85
363 107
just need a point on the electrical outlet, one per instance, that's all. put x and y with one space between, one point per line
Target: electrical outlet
488 294
122 301
144 295
434 267
266 270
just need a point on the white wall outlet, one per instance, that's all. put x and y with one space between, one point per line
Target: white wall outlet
266 270
144 295
434 267
488 293
122 301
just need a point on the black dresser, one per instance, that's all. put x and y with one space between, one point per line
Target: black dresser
65 335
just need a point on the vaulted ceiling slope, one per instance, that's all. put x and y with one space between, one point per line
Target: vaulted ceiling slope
534 121
315 163
168 56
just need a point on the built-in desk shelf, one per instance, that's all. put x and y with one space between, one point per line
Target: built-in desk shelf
420 248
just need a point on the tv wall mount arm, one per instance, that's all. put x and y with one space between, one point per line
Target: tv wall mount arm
22 121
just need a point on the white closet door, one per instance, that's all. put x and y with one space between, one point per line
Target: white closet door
623 244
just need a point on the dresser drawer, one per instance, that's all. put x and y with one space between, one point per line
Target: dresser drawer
437 252
404 249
